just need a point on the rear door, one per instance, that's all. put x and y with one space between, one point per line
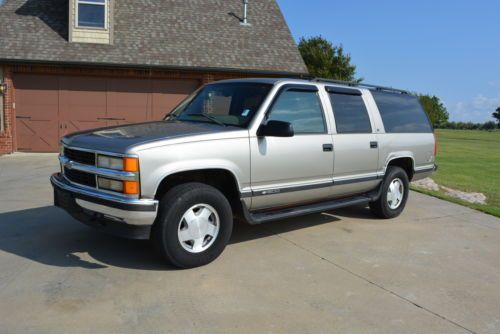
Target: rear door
355 143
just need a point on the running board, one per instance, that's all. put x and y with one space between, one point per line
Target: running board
264 217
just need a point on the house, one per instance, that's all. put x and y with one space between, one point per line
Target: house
69 65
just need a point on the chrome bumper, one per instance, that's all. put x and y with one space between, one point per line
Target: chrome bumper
127 217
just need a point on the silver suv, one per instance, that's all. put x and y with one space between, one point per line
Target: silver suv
254 149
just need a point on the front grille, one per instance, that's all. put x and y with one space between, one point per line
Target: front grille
79 177
83 157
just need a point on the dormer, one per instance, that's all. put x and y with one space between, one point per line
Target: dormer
91 21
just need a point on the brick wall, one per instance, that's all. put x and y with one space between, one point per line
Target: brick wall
7 137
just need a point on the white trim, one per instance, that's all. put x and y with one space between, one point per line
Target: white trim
84 2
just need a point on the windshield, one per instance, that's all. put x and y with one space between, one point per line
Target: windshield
232 104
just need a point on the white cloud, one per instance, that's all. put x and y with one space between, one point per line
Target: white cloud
478 110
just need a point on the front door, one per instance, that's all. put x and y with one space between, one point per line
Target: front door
296 169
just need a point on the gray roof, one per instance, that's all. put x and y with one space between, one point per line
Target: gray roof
160 33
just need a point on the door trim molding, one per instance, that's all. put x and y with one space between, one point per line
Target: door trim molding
275 191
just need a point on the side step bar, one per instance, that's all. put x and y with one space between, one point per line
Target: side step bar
264 217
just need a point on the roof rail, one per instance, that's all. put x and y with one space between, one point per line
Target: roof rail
360 84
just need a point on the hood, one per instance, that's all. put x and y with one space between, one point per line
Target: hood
120 139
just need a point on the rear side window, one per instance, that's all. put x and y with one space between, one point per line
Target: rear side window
300 108
401 113
350 113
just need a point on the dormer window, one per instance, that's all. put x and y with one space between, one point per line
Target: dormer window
91 14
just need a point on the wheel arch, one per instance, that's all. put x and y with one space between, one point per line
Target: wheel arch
405 161
220 178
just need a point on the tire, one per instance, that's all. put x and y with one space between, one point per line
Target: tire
388 205
194 224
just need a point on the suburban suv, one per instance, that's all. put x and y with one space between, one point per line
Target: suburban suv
254 149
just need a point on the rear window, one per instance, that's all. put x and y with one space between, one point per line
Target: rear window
401 113
350 113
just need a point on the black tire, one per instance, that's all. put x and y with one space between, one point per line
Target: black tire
174 204
381 207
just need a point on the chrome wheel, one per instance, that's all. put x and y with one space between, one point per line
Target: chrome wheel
395 193
198 228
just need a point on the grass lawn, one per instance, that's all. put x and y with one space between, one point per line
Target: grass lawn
469 161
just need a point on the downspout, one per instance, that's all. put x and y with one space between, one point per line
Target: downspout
2 91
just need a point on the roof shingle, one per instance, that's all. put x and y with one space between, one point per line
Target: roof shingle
160 33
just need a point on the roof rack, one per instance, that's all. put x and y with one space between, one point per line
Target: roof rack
359 84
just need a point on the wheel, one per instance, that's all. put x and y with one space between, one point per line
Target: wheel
194 224
395 189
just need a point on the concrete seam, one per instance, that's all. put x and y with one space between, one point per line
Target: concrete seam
377 285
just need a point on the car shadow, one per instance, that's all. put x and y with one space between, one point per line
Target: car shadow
48 235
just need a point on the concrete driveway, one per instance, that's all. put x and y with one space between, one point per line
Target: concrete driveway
435 269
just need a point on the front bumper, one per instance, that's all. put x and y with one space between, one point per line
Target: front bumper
125 217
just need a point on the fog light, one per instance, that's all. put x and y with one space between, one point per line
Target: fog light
108 184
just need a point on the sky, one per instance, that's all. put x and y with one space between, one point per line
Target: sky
446 48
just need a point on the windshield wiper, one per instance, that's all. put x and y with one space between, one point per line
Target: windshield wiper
213 119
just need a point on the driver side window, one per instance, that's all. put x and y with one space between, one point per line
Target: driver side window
300 108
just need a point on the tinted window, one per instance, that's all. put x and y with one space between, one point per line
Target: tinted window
300 108
401 113
350 113
230 103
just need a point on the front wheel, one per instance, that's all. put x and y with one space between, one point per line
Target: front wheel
395 189
194 225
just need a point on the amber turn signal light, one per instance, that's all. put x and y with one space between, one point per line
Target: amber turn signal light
131 164
131 187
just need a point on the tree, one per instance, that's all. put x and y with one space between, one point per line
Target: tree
325 60
496 115
435 109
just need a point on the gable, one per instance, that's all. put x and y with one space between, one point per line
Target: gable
168 33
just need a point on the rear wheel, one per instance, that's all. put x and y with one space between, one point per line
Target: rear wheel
395 189
194 225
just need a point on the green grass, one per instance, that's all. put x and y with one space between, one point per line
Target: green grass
469 161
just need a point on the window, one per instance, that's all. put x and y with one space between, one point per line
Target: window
401 113
300 108
350 113
229 103
91 13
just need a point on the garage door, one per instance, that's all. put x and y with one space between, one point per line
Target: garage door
49 107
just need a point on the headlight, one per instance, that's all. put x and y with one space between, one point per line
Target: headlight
105 161
125 187
108 184
124 164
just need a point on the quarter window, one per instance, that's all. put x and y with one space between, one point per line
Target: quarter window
300 108
91 13
350 113
401 113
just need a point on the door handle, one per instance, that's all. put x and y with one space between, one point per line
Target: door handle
23 117
373 144
327 147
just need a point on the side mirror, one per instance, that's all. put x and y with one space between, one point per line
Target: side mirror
275 129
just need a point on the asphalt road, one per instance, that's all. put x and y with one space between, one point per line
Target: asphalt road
435 269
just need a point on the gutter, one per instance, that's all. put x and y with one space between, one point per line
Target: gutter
154 67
